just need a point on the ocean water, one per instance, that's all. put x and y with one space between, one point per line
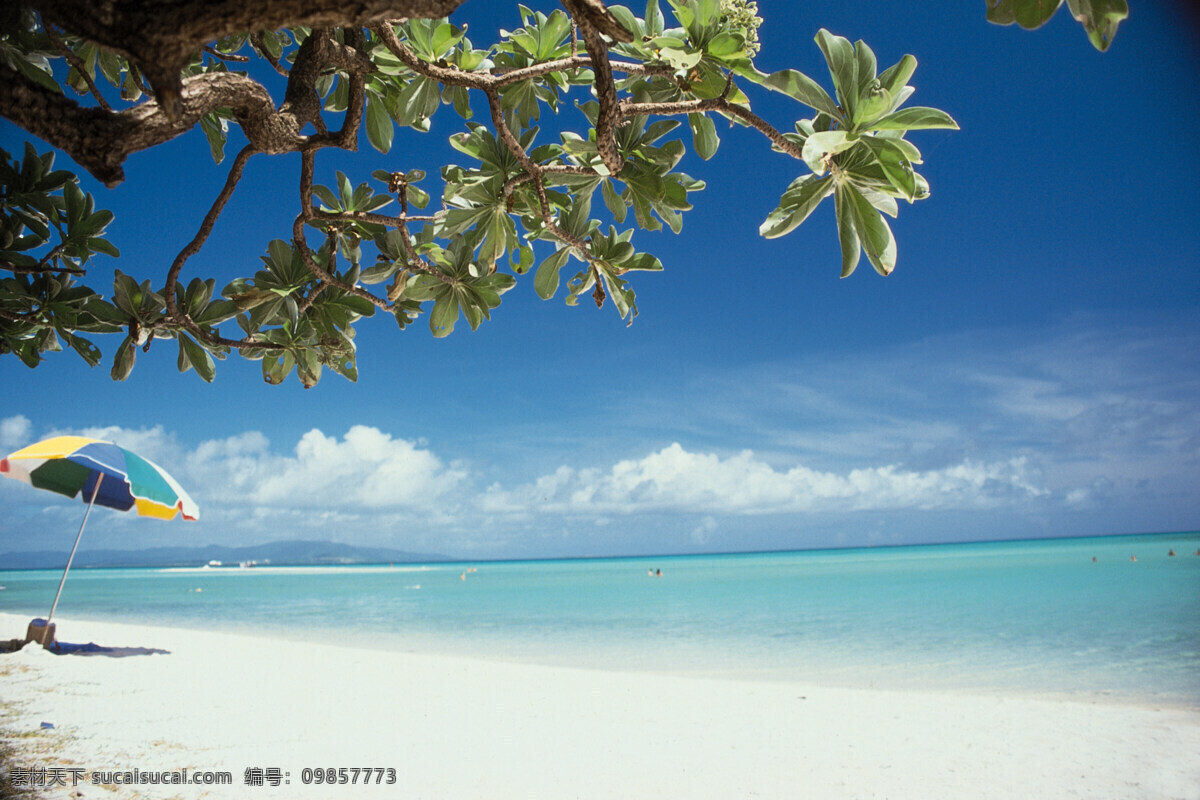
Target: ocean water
1034 617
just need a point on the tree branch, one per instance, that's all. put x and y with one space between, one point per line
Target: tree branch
592 21
307 165
720 104
75 62
193 247
160 38
100 141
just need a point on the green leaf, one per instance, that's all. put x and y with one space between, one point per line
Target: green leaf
417 198
195 356
444 315
704 135
867 67
678 57
873 232
123 360
215 131
915 118
521 259
379 124
103 246
545 282
272 43
418 100
33 72
276 365
895 77
804 195
110 66
1029 14
308 367
405 311
843 66
86 350
896 165
803 88
725 44
817 146
216 312
445 36
847 236
93 224
1100 19
616 205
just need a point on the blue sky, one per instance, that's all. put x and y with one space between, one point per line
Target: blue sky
1030 369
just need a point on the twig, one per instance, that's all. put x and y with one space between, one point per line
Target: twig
720 104
75 61
307 164
257 40
212 51
193 247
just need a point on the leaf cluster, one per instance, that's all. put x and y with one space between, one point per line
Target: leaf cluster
49 231
856 150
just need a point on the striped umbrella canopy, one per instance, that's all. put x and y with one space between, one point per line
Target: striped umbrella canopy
73 466
99 473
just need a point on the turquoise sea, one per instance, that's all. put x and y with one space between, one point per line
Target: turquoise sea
1038 617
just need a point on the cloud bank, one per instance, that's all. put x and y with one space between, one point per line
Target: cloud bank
676 480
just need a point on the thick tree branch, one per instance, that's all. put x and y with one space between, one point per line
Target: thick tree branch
593 19
160 37
100 141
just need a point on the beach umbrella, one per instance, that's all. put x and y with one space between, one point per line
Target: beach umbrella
99 473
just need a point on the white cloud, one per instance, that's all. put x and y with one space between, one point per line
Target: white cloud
15 432
365 470
674 479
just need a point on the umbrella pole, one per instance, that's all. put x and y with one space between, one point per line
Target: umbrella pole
70 558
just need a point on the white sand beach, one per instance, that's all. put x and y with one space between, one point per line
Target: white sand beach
459 728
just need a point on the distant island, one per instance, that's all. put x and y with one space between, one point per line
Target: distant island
289 554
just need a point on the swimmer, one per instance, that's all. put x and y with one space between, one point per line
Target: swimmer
1170 552
1133 558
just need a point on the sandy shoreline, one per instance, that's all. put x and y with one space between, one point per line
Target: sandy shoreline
458 728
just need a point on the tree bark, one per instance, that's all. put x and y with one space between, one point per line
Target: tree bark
160 36
99 140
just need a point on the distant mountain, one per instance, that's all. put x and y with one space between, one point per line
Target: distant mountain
293 553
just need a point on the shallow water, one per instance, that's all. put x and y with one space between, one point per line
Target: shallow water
1026 616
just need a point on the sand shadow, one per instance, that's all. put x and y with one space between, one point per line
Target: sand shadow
89 649
93 649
